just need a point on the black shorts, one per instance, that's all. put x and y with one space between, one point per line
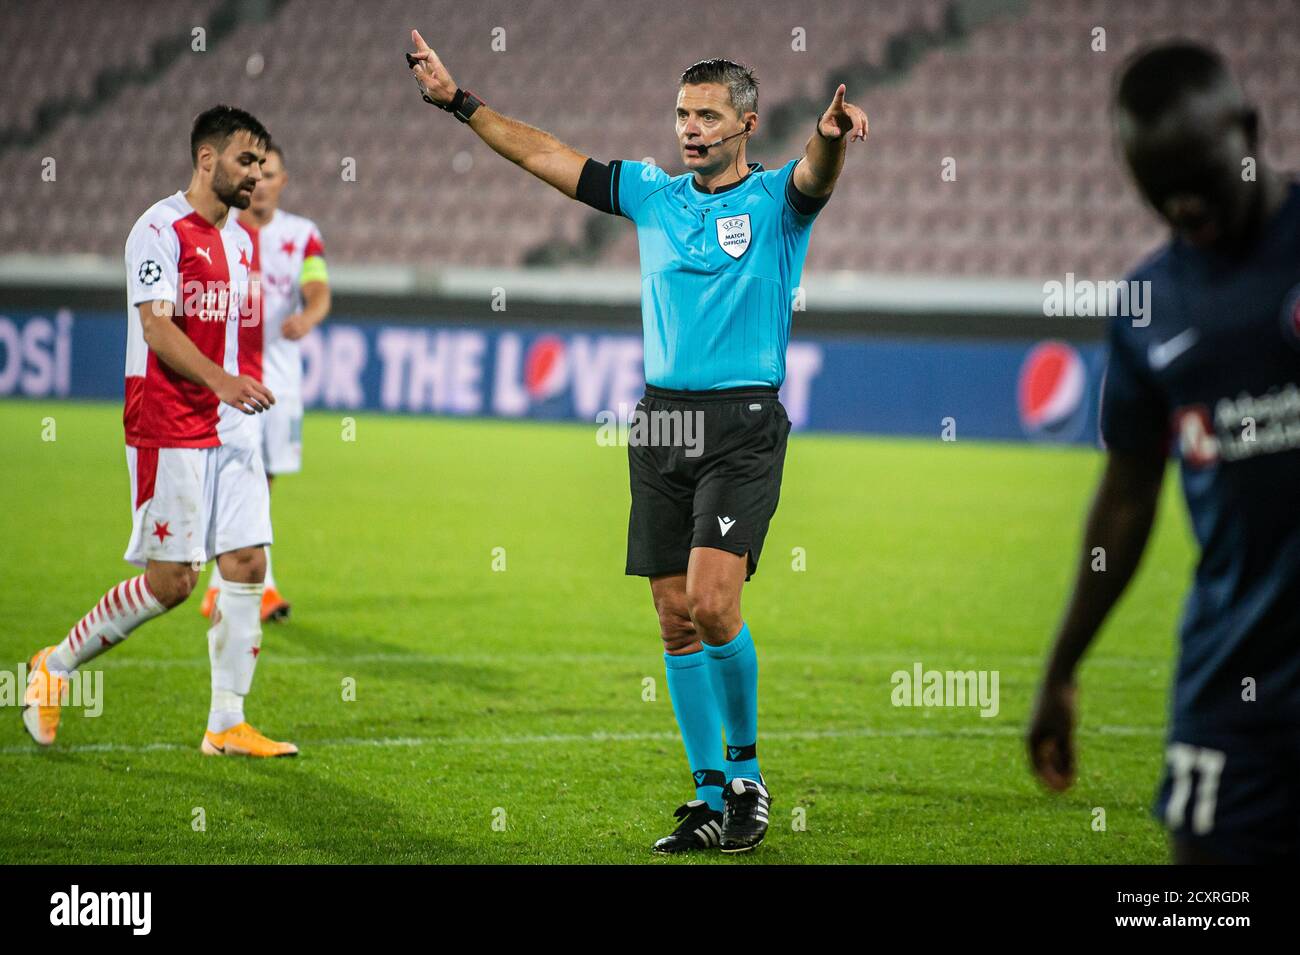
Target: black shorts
705 471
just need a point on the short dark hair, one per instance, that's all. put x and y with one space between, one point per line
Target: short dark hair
273 146
218 124
740 81
1159 78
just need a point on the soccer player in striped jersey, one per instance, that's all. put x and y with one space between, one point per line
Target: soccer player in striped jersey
295 298
722 250
198 489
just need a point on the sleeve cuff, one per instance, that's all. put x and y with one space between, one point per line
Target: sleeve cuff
598 186
804 205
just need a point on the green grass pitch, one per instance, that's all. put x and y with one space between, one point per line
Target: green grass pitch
501 714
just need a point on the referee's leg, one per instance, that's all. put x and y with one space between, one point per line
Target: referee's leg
713 582
714 579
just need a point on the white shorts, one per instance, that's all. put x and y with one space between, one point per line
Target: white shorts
191 504
282 435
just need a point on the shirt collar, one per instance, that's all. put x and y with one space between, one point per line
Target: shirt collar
753 168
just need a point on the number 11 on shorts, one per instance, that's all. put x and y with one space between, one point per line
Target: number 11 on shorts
1185 761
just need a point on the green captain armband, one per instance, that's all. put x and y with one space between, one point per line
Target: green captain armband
313 270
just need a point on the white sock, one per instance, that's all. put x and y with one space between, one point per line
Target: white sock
234 643
270 577
214 582
118 612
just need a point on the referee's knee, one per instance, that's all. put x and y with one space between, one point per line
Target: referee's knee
715 618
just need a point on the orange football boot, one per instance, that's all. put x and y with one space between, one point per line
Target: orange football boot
209 602
274 607
43 699
243 740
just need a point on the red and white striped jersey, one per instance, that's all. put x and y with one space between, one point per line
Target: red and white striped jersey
287 240
252 334
235 427
175 255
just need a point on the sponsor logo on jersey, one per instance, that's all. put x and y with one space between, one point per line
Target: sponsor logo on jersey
1291 317
219 302
1197 444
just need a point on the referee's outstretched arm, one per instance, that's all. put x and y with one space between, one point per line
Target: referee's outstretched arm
823 157
534 149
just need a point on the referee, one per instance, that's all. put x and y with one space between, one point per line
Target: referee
722 250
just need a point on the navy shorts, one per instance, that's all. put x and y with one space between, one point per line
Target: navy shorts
1234 796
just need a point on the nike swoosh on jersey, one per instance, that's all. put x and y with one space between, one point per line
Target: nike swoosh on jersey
1162 355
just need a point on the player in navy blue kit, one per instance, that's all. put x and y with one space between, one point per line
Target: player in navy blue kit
1215 377
722 249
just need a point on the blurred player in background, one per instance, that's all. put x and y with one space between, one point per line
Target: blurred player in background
198 490
722 249
295 298
1217 370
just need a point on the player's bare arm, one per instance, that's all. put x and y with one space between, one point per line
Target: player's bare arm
817 172
179 353
315 309
533 149
1119 522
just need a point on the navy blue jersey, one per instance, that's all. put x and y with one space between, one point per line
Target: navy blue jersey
1216 375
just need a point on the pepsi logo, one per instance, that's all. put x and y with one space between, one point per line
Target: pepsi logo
1050 392
546 368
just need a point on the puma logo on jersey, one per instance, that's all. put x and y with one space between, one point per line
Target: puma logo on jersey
725 524
156 230
203 252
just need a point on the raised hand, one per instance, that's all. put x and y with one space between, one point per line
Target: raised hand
436 84
841 118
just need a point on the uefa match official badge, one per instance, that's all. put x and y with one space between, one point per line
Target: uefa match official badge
733 234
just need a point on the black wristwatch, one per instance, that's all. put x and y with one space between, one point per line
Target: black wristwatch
462 105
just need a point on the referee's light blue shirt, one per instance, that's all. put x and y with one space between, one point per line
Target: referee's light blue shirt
718 274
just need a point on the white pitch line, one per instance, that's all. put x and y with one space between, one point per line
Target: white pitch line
552 739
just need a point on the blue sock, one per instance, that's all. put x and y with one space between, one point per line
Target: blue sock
696 707
735 680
